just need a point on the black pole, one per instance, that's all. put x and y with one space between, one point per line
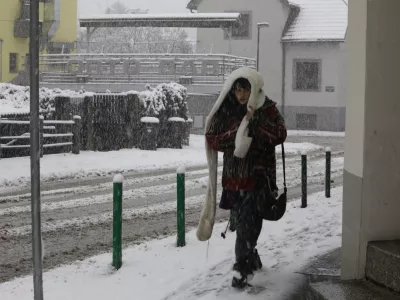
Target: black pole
303 180
328 173
34 150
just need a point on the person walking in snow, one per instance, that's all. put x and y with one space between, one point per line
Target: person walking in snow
246 126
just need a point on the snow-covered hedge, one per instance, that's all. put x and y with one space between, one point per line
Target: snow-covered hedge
152 102
15 98
166 100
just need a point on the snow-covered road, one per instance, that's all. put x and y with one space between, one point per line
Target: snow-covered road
77 221
158 270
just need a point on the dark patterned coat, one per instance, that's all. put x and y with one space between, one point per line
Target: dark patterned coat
267 127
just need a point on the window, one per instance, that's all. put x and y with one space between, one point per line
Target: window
307 75
306 121
243 29
13 62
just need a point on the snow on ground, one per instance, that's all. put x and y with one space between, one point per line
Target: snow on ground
158 270
316 173
89 163
315 133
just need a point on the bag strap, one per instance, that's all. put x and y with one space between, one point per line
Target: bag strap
284 169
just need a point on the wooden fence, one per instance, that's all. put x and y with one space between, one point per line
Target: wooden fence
94 122
55 136
109 121
112 121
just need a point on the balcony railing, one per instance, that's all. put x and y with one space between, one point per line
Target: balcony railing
140 68
21 25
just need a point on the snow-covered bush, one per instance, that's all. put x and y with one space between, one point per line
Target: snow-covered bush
152 102
175 101
15 98
165 101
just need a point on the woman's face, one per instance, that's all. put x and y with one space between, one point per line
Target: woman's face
242 95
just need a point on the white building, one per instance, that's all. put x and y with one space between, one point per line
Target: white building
302 54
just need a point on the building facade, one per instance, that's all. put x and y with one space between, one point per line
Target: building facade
302 54
58 26
371 186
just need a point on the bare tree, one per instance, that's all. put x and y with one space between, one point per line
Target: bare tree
118 8
136 39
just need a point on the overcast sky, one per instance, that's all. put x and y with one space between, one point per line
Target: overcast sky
88 7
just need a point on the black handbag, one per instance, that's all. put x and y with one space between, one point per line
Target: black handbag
270 207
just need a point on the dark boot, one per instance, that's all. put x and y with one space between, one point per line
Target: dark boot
256 263
242 274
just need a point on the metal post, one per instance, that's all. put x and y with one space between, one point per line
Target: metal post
258 48
117 221
328 173
180 181
76 138
89 111
35 152
0 136
41 135
230 29
88 34
303 180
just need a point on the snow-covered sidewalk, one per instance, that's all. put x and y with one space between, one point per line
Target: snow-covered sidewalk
88 163
316 133
158 270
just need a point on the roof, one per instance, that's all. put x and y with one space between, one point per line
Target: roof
187 20
318 20
193 4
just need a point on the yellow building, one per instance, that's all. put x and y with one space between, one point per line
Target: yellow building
59 33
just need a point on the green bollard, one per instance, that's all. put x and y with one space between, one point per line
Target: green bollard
117 221
180 187
328 173
303 180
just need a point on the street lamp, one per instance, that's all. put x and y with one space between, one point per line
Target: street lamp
259 26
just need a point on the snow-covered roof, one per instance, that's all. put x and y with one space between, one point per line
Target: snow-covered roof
193 4
185 20
318 20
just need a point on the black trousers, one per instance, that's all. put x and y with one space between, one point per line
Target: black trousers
248 225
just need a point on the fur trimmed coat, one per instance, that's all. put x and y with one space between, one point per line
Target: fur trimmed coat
233 135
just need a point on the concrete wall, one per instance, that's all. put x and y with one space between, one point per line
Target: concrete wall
328 108
371 205
316 118
200 106
273 11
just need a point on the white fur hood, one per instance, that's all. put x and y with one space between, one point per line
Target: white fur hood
257 96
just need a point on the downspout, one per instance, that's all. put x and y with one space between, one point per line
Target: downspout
55 24
294 11
283 77
51 22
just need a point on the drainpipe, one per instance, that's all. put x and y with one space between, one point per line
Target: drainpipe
56 18
283 78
